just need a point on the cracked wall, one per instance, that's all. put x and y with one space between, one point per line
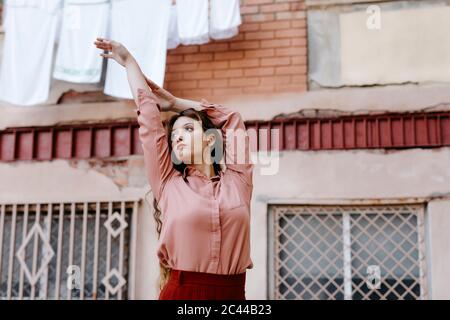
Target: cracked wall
411 45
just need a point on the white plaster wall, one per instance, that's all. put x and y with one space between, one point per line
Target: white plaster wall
411 45
341 176
431 97
438 249
66 181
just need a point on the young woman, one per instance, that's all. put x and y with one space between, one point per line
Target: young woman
200 174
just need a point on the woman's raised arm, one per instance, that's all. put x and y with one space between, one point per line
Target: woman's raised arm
152 133
171 102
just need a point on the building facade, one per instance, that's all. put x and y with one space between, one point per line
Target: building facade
351 98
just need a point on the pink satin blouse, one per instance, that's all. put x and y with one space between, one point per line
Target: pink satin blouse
206 222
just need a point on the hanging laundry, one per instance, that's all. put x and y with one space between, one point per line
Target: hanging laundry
192 17
141 26
173 40
225 19
77 59
25 71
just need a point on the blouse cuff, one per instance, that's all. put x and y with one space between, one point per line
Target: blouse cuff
145 97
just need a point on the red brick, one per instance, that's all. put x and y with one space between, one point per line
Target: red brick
253 2
238 37
244 82
191 84
291 51
181 67
249 9
275 7
302 78
213 83
268 55
260 53
290 15
193 75
174 58
227 91
278 61
302 60
175 92
184 50
275 43
257 35
298 23
214 47
275 25
298 5
173 76
268 71
290 33
213 65
230 73
245 27
245 63
197 93
299 41
244 45
274 80
198 57
258 17
231 55
291 70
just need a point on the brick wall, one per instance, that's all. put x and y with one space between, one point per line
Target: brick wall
269 55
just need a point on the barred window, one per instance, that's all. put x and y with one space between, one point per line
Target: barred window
66 250
347 252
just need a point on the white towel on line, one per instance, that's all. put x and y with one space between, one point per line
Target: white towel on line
192 17
225 19
28 50
173 40
77 59
142 26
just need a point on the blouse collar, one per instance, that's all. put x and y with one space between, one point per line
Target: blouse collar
193 171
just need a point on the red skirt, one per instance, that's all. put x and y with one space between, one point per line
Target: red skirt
189 285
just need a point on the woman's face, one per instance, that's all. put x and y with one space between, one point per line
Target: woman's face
188 140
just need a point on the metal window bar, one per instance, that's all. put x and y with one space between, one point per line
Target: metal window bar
323 252
38 242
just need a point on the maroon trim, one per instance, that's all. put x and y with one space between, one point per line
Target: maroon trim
118 139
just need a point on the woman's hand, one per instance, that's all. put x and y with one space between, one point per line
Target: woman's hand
118 50
119 53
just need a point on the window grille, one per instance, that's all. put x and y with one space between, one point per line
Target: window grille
38 243
328 252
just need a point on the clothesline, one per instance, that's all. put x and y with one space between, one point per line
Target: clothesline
146 27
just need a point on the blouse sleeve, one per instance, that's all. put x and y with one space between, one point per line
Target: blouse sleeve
236 139
157 158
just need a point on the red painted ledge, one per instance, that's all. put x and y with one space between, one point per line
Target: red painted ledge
118 139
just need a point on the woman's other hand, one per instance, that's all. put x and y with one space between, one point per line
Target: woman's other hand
117 50
166 100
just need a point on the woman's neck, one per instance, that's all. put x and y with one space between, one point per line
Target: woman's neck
206 169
